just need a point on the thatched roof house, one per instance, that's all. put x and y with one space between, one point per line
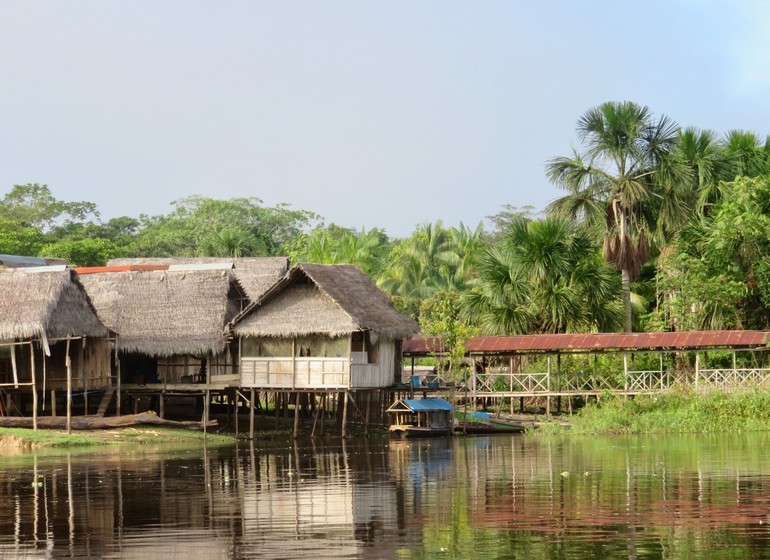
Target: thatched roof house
45 319
329 299
254 274
165 312
45 306
321 327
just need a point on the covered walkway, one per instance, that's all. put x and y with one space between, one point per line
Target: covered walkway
568 365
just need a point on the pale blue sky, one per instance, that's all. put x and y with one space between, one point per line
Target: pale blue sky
372 114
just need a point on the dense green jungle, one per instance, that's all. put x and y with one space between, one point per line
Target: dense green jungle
660 227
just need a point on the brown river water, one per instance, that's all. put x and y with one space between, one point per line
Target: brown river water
502 496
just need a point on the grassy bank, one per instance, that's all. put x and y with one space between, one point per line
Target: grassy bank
21 438
673 412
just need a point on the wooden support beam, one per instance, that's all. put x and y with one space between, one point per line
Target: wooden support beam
296 415
251 414
68 364
345 416
34 387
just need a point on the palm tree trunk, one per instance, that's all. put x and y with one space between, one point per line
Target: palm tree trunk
625 280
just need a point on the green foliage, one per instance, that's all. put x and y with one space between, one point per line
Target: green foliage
544 276
440 317
677 412
337 245
716 274
81 252
201 226
434 260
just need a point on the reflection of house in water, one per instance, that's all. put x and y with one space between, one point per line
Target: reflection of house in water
316 501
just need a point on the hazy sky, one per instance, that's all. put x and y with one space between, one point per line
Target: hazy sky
372 114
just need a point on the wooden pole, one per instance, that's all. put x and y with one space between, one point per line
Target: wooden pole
68 364
697 369
251 414
345 416
206 399
117 367
83 373
13 367
296 415
34 388
235 411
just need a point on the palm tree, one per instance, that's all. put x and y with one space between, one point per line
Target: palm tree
626 183
544 276
433 260
709 163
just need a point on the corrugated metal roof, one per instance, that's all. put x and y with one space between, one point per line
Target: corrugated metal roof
597 342
417 405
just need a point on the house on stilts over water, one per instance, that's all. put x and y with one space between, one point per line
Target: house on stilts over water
323 334
52 343
172 319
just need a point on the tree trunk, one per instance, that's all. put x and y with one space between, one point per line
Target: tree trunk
625 279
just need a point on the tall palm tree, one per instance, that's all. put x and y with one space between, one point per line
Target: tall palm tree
626 183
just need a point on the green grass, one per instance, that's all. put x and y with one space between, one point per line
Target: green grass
674 412
22 438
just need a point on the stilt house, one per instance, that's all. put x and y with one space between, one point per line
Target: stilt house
321 328
50 338
170 320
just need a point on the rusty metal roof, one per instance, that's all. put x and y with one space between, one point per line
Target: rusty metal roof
596 342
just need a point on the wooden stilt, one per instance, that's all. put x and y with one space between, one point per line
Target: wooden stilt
206 400
345 416
68 364
296 415
34 389
236 398
251 413
53 402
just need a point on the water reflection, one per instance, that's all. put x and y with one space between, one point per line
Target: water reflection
497 496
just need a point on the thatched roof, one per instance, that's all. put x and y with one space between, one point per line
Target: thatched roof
255 274
323 299
45 304
163 313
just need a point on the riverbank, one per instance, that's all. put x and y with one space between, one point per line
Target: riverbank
27 439
673 412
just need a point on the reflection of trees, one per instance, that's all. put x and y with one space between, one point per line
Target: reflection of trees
608 498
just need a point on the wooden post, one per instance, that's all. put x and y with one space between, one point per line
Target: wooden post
296 415
251 414
53 402
206 399
235 411
117 367
83 373
625 373
697 369
368 409
34 388
345 416
162 411
13 366
68 364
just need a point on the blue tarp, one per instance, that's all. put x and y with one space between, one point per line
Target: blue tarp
427 404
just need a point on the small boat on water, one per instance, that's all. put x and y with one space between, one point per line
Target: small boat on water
483 423
421 417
